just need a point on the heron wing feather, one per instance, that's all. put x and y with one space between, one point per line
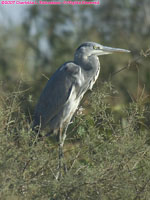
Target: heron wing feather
56 93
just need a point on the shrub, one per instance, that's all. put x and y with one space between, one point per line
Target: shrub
106 152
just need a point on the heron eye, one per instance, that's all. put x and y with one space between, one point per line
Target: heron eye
94 47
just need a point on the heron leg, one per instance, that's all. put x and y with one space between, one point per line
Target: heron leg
62 165
65 134
63 141
60 155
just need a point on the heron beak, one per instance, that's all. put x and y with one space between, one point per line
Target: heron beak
110 50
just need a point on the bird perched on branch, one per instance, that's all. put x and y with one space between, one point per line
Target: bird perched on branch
62 95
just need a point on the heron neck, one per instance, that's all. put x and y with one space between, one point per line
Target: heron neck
88 62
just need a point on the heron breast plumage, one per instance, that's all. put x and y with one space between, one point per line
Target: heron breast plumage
94 78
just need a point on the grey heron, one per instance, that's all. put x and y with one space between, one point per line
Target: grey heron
61 97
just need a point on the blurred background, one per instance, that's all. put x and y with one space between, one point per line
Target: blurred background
36 40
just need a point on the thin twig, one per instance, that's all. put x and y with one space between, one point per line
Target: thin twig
74 160
141 190
142 54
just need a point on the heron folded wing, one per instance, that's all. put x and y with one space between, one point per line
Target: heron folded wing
56 93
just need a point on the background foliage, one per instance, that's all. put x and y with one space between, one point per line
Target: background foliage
107 148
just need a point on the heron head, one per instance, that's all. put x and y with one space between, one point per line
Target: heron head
92 48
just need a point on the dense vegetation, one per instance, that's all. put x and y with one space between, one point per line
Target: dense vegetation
107 150
107 153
